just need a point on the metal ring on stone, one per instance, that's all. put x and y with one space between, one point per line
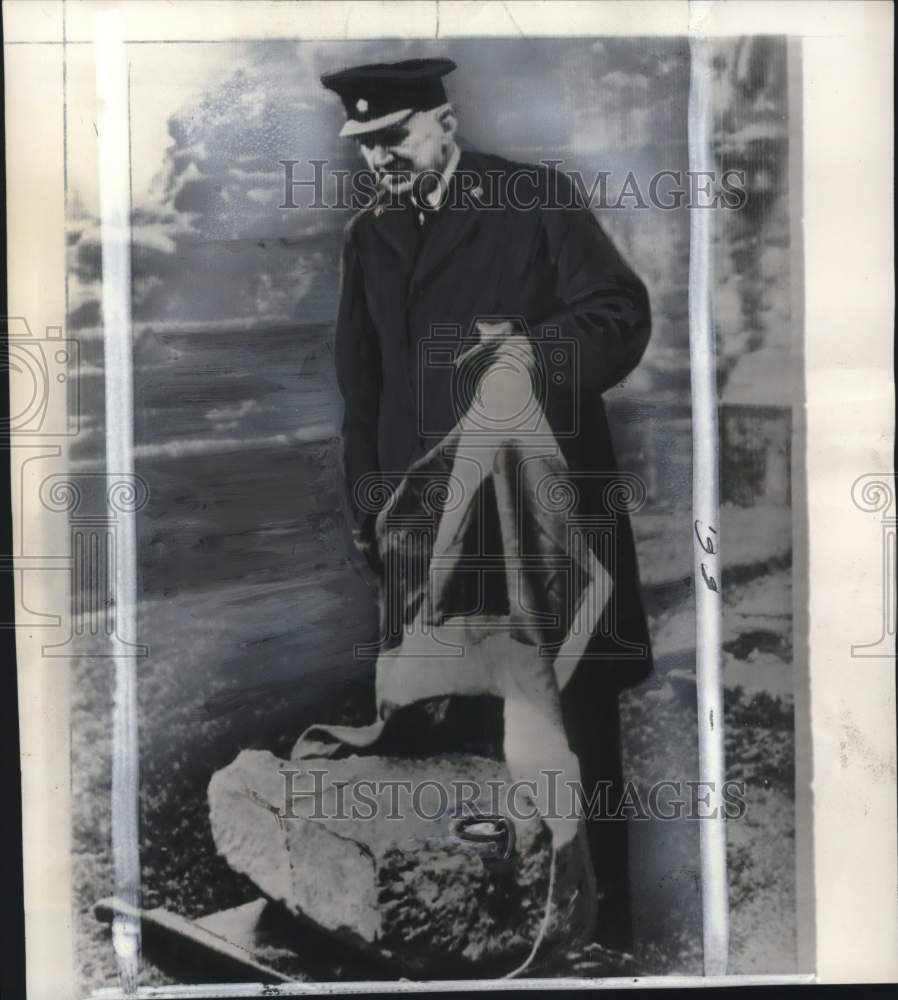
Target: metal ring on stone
497 843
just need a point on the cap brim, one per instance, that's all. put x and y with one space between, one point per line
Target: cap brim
353 128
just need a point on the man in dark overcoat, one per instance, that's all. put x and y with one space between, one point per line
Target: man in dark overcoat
458 248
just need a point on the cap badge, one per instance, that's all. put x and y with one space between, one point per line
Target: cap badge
361 105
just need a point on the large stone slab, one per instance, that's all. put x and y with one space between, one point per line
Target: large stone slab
383 868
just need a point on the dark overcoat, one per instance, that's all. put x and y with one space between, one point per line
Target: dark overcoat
511 241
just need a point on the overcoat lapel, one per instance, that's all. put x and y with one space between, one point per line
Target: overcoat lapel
453 221
396 227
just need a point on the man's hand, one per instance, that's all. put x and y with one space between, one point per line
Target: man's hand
492 336
493 331
508 335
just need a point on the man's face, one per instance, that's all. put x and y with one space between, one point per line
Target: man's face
399 153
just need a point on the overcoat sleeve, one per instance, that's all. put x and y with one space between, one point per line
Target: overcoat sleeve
604 305
358 367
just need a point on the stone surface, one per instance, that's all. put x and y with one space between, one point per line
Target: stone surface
398 886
